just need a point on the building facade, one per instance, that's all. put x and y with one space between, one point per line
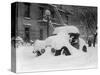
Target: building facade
34 20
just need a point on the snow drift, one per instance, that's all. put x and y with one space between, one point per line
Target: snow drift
27 62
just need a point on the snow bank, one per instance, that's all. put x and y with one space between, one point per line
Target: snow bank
27 62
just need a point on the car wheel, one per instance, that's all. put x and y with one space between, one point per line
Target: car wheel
42 51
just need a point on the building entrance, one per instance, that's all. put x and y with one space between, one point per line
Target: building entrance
27 34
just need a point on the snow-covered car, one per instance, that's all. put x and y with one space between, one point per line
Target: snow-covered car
74 36
63 41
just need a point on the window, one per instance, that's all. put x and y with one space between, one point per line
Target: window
27 10
41 12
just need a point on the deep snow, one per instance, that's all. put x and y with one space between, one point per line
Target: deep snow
26 62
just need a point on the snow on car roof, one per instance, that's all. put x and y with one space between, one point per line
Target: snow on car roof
67 29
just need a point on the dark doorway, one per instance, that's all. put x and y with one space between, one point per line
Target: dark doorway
27 34
41 34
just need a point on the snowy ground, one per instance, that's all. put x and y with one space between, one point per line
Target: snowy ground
26 62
